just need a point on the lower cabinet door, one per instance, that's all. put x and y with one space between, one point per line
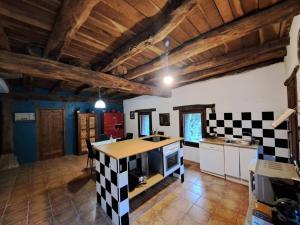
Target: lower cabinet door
212 161
246 155
232 161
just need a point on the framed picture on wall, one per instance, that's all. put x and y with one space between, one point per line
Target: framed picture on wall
164 119
132 115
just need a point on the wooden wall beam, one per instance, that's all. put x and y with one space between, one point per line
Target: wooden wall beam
49 69
152 35
81 88
193 107
229 58
226 33
72 15
4 43
238 64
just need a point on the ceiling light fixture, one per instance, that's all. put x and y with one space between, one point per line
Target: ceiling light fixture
100 104
168 80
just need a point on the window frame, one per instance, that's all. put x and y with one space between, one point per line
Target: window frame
181 125
139 123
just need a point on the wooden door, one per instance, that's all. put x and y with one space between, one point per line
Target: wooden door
51 133
291 84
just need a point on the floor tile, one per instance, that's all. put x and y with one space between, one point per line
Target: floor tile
41 194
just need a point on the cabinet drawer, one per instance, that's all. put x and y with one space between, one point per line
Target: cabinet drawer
211 146
175 145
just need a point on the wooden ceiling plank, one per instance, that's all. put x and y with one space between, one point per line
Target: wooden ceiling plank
225 10
237 8
18 14
150 36
49 69
4 43
249 5
226 33
211 13
71 16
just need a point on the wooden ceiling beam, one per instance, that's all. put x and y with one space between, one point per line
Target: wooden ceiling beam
81 88
72 15
4 43
238 64
229 58
49 69
226 33
166 23
52 97
55 86
238 71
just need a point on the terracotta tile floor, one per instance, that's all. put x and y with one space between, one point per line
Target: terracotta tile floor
60 191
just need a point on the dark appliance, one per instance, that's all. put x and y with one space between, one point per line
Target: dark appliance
155 138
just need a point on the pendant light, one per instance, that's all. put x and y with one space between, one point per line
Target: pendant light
168 79
100 104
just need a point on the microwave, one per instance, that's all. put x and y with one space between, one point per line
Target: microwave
265 177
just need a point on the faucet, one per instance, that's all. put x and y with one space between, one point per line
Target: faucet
253 140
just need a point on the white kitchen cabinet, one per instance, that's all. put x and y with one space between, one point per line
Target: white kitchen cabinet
246 156
191 153
232 161
212 159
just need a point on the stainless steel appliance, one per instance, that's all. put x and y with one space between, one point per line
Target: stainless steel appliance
165 160
264 174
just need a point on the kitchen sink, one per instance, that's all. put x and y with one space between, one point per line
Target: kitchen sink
239 142
155 138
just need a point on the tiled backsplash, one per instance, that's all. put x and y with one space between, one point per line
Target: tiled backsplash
273 142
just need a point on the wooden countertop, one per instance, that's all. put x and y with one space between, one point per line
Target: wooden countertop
221 141
122 149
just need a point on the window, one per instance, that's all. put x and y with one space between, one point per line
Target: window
192 126
145 123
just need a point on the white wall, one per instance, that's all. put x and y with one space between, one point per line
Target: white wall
254 91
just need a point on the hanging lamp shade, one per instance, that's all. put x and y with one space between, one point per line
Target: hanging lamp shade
100 104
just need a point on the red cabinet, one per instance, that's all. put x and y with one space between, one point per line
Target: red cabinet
114 124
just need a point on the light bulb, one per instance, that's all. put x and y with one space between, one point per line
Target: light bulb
168 80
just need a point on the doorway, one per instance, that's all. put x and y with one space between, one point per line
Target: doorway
144 123
51 133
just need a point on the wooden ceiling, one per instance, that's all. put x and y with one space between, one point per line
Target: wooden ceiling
125 38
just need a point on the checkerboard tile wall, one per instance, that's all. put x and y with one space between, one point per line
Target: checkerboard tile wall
273 142
112 187
180 172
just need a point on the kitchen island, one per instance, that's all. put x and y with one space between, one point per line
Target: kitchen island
115 161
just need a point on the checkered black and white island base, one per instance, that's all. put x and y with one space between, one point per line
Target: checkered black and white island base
112 184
